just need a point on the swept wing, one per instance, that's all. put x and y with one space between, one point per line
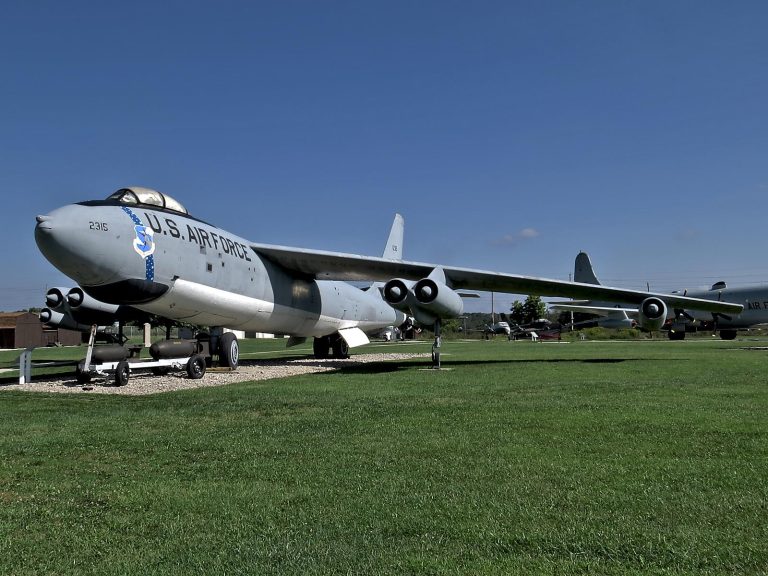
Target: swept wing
340 266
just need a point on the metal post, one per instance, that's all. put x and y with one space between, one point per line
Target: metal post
89 353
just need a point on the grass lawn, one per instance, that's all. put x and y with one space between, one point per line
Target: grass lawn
645 457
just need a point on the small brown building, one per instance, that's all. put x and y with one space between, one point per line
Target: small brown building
24 330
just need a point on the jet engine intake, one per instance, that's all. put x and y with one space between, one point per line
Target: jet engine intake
652 314
395 293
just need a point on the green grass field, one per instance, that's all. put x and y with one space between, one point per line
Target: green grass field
646 457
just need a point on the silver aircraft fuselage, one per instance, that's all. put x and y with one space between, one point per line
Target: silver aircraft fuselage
168 263
754 298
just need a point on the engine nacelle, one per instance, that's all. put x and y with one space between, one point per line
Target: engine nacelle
55 298
396 292
652 314
61 320
78 299
435 299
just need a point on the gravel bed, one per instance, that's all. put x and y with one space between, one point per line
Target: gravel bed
144 382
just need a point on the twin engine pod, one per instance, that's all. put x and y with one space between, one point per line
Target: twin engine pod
428 299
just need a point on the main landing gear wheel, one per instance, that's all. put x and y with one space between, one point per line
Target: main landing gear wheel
122 373
340 348
229 350
196 367
321 347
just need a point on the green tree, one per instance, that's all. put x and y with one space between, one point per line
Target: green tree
531 310
517 314
534 308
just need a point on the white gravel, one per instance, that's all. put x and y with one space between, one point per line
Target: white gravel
144 382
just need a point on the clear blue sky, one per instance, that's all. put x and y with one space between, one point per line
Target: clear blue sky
509 134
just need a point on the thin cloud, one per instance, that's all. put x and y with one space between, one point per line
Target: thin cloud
514 239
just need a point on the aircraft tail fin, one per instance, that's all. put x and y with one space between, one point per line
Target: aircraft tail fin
582 270
394 248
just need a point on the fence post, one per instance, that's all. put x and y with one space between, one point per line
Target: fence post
25 366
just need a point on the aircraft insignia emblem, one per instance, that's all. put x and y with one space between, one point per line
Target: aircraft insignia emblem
144 243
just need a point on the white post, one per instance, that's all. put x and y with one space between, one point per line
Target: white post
147 335
25 366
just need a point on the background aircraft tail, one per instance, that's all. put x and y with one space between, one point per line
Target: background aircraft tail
582 270
394 248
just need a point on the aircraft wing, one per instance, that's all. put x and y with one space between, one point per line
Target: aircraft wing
352 267
597 310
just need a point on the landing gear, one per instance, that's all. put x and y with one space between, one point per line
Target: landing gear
728 334
229 351
323 346
436 346
340 347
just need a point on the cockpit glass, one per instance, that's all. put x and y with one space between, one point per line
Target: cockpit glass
126 197
148 197
151 197
172 204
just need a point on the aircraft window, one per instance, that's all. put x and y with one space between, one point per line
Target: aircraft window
172 204
151 197
126 197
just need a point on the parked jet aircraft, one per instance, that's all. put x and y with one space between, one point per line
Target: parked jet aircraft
141 249
619 315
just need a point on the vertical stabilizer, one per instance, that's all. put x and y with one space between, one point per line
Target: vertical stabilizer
582 270
394 248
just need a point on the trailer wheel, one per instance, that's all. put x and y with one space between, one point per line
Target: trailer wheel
81 375
196 367
122 373
229 351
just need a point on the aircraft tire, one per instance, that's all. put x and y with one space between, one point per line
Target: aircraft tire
321 347
728 334
676 335
229 350
196 367
340 348
122 373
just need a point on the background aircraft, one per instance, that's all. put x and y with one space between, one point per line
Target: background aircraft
140 248
754 299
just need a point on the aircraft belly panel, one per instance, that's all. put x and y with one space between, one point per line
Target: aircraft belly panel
200 304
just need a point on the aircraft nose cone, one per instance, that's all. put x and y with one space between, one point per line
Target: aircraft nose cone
65 239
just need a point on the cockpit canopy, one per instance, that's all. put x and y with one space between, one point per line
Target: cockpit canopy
136 196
